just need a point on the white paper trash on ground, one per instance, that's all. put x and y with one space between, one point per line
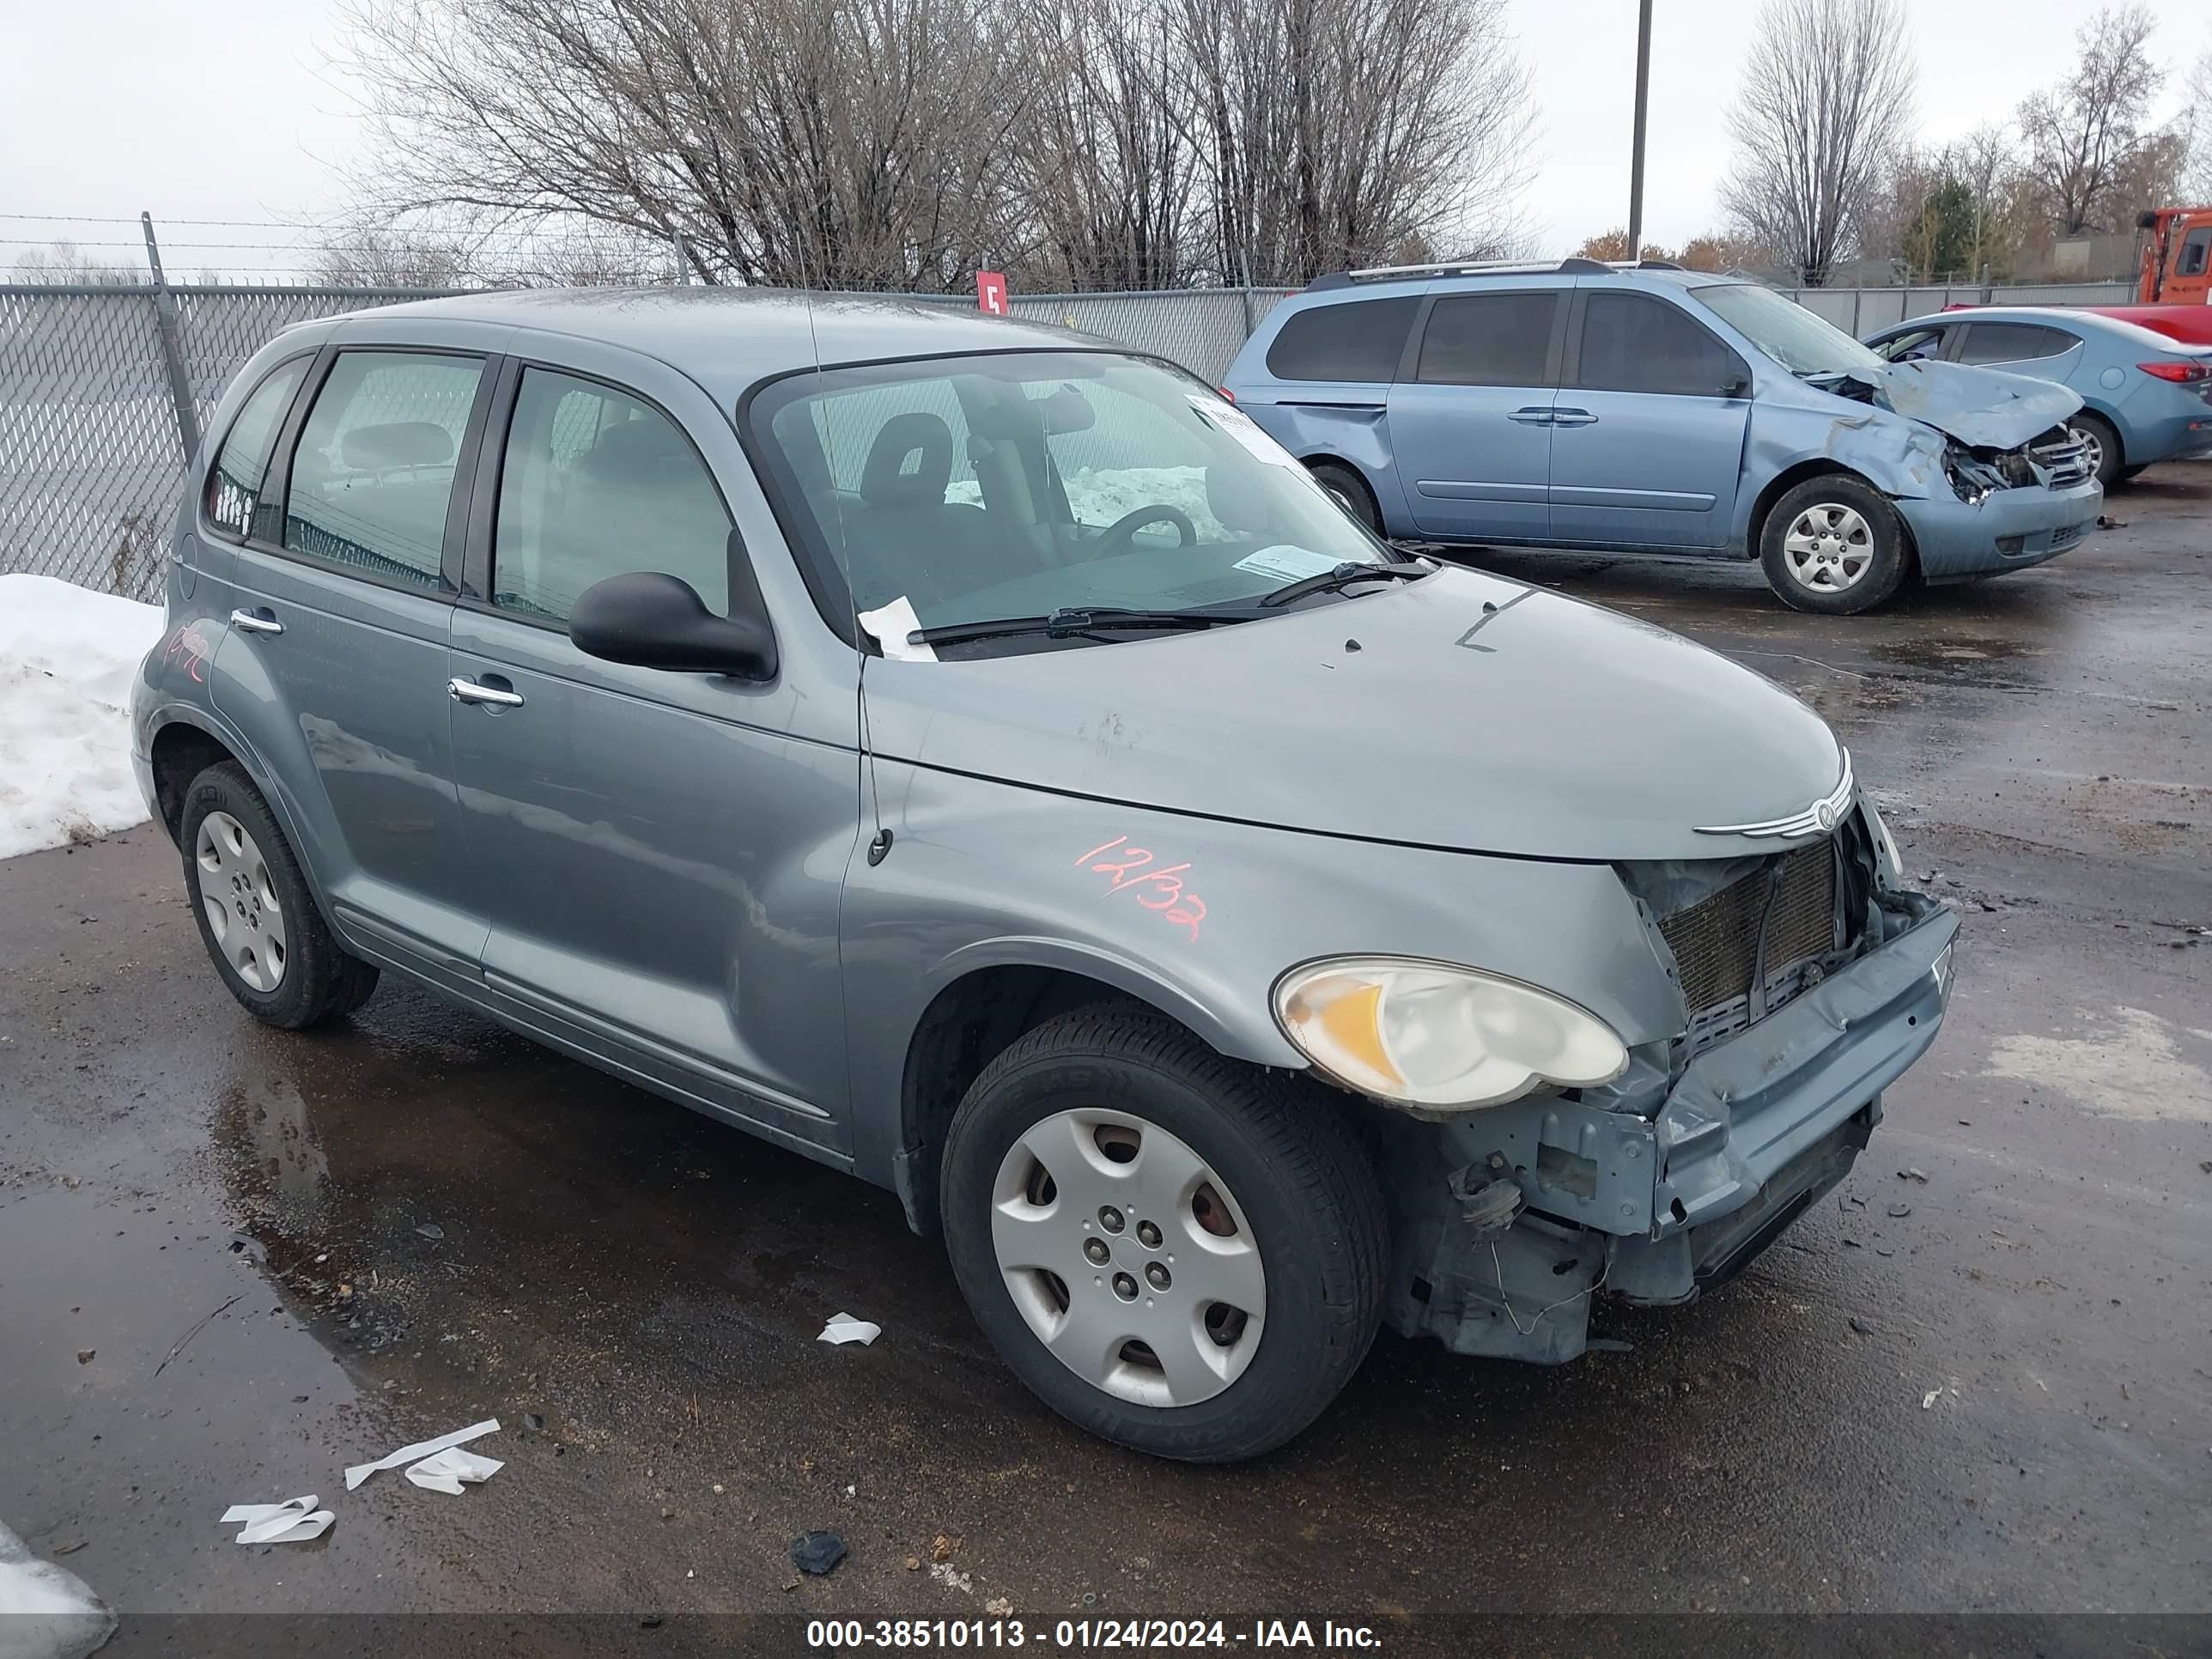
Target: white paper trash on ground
416 1454
445 1471
845 1328
297 1521
47 1612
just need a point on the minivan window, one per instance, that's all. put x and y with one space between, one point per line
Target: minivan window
1490 340
1784 330
2013 343
596 483
374 468
1357 340
1094 480
233 487
1632 343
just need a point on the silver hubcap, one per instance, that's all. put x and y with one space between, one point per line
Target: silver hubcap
243 915
1828 547
1128 1257
2086 437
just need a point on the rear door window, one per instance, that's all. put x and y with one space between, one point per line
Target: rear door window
1632 343
2013 343
1919 345
1490 340
234 486
1357 340
373 473
596 483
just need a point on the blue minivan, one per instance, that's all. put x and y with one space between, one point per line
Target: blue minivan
1648 409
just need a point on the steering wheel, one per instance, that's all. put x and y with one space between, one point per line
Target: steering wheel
1123 529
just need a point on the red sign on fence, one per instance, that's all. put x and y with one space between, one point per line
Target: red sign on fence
991 292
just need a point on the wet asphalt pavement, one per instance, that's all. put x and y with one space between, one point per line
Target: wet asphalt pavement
233 1261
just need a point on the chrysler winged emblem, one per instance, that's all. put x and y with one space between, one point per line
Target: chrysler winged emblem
1818 819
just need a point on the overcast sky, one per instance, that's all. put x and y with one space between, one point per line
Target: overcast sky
226 109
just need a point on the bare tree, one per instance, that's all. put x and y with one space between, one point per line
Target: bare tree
355 254
2080 134
2197 179
1334 132
1105 167
1828 94
1613 245
65 263
855 143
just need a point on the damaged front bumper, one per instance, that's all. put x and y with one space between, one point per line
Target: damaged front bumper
2007 529
1753 1131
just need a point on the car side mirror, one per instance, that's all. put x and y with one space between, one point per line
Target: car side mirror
1738 385
652 620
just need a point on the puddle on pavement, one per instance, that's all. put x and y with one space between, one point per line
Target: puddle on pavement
480 1205
1954 652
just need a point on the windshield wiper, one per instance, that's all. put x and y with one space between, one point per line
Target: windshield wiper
1343 576
1069 622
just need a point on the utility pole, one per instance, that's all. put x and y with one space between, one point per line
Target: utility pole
1636 149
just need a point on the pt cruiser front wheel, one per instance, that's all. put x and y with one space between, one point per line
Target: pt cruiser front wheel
1172 1249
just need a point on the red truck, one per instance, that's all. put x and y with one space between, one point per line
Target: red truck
2174 292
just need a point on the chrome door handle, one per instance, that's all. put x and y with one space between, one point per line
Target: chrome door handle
256 621
1531 417
1573 417
469 691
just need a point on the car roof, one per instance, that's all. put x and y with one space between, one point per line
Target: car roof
2081 322
1444 279
729 338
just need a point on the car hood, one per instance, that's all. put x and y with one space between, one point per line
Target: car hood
1460 711
1982 408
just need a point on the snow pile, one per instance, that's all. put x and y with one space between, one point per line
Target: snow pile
67 658
1100 495
45 1613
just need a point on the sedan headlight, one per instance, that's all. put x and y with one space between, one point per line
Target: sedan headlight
1444 1038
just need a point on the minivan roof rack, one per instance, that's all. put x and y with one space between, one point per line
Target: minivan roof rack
1567 266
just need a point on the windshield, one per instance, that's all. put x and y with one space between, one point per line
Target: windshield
1784 330
1023 484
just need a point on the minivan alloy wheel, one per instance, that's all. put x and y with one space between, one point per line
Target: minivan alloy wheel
1128 1257
1828 547
243 911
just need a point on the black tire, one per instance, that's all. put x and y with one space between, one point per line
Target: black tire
1888 562
319 979
2127 474
1289 1155
2111 456
1351 492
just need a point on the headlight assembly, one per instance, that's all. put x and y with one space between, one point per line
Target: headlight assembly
1440 1038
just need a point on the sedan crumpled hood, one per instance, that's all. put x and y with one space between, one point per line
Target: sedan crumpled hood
1475 715
1984 407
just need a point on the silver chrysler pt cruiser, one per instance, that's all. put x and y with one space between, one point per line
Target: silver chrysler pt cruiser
974 756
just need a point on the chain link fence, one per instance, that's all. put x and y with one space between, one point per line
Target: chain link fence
92 459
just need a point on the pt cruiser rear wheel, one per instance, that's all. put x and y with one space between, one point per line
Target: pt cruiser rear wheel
256 916
1834 544
1173 1250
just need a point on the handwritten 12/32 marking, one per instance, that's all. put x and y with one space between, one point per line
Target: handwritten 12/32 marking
1132 867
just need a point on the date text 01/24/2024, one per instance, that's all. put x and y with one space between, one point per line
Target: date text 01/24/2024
1084 1634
